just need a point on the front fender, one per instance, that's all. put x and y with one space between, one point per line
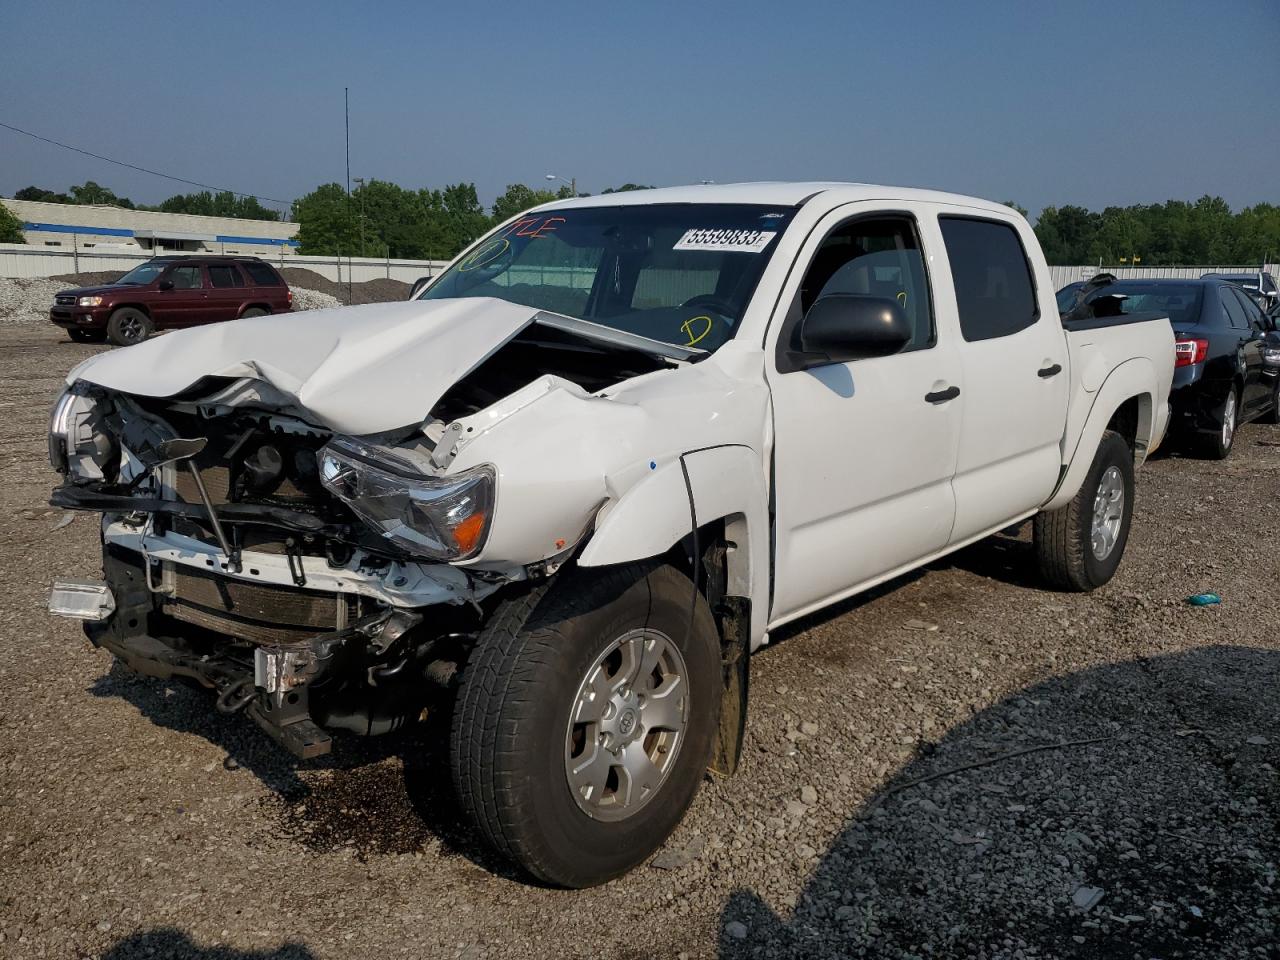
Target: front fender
724 483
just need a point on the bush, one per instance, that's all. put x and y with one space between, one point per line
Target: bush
10 227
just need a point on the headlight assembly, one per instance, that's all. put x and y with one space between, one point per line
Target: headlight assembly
78 444
59 429
90 301
443 518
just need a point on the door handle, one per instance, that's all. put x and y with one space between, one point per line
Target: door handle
942 396
1050 371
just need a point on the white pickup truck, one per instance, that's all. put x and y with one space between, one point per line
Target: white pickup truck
567 489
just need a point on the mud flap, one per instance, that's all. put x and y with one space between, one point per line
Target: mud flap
734 614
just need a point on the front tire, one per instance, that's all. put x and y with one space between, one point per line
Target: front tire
128 326
586 719
1079 546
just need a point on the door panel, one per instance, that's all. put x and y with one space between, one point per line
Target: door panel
862 461
1013 359
227 291
1257 386
186 304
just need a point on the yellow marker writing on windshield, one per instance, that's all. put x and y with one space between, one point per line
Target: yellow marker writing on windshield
483 255
902 298
696 328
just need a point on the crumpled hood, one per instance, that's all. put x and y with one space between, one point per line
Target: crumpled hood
358 370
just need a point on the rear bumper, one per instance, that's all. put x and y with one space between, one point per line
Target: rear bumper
1196 405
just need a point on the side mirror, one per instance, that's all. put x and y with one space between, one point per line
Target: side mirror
417 287
841 327
1271 349
165 284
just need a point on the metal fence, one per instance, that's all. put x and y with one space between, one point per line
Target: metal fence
21 260
1064 275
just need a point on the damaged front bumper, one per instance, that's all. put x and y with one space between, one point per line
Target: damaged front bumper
346 652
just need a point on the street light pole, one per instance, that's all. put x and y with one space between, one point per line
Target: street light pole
573 184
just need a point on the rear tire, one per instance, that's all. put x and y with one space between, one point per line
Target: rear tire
87 336
253 312
551 736
1218 446
1273 415
1079 546
128 326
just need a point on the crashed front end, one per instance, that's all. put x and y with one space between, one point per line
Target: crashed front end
307 578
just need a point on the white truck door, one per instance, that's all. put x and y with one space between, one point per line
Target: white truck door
864 451
1014 363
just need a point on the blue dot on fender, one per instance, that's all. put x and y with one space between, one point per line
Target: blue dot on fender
653 464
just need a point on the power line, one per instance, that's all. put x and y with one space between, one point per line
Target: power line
134 166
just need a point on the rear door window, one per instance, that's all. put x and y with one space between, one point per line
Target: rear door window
1252 312
1235 312
224 275
995 293
262 275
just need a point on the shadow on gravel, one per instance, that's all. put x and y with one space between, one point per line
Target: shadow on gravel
171 944
379 796
1161 838
1008 556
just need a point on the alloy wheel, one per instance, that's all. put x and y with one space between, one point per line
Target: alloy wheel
1108 512
626 724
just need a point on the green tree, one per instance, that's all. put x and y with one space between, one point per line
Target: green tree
518 198
10 227
40 194
326 224
93 193
224 204
627 188
465 218
1021 209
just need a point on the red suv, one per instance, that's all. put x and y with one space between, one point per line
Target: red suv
168 292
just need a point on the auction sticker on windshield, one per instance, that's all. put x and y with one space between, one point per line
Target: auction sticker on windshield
725 241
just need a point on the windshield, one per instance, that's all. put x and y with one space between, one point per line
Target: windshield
1180 301
143 273
678 273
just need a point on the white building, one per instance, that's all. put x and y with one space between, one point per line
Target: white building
104 229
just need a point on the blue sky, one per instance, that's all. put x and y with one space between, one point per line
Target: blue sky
1091 103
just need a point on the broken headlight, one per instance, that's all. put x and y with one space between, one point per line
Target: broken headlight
77 443
443 518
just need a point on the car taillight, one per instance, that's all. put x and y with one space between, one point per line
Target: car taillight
291 298
1189 351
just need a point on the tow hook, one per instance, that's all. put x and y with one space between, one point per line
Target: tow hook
237 696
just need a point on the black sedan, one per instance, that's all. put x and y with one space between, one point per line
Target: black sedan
1227 367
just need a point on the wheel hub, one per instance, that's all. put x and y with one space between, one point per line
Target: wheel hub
626 724
1108 513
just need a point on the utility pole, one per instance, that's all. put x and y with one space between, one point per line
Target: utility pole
360 187
346 121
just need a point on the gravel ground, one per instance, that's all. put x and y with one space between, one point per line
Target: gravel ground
1128 804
